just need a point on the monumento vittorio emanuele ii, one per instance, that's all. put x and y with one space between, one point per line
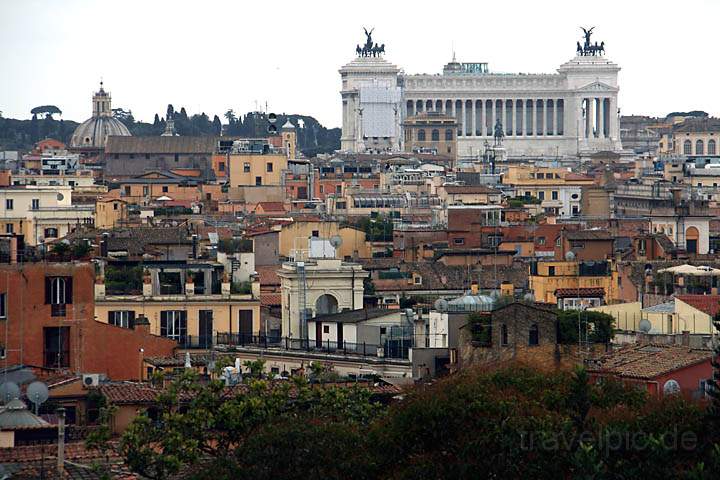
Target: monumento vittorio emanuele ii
571 112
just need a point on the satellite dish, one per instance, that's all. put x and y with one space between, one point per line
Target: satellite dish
671 387
336 241
645 325
37 393
9 391
441 305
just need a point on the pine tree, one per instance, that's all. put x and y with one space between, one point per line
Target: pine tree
217 125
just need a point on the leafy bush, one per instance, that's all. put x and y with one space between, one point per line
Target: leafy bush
241 288
600 326
123 280
511 422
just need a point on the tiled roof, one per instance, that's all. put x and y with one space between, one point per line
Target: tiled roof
271 207
140 393
577 176
268 275
455 189
709 304
438 276
136 240
589 235
586 292
270 299
36 461
198 145
648 361
129 392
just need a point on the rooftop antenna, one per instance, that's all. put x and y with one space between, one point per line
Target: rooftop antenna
9 391
37 393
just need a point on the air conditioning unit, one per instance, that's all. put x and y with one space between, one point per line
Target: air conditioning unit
91 380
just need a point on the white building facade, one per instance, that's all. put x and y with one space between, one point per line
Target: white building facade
573 112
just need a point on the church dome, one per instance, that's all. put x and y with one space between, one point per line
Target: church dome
93 132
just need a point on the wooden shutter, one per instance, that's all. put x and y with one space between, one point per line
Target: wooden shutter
69 290
48 290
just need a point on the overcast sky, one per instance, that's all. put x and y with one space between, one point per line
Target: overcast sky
214 55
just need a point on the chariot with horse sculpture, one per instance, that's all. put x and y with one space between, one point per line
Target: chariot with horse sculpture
370 49
588 49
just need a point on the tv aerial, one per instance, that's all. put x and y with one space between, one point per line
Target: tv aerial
37 393
336 241
9 391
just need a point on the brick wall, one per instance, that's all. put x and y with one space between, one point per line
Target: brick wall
93 347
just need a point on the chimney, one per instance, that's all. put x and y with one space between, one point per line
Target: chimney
142 324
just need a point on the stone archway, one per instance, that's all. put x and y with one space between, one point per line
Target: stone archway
326 304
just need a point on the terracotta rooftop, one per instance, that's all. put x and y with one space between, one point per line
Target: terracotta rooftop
709 304
648 361
584 292
38 461
589 235
159 145
270 299
271 207
455 189
268 275
131 393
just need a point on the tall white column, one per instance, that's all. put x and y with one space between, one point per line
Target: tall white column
483 120
501 114
591 117
461 113
493 115
556 117
613 118
513 109
534 117
523 113
601 122
474 118
545 117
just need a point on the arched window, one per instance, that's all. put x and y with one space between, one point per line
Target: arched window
435 135
448 134
711 147
534 335
421 135
699 148
503 335
687 147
